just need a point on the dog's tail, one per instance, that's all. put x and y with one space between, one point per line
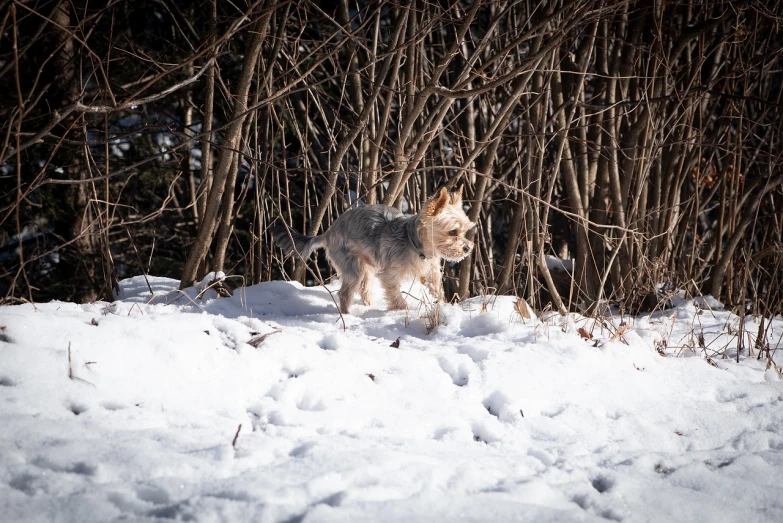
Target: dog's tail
292 242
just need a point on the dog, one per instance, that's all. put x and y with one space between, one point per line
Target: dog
382 241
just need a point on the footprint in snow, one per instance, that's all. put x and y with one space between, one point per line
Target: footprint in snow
477 354
25 483
152 494
499 404
81 468
458 371
77 408
602 483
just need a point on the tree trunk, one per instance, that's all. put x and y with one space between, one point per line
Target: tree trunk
231 144
80 257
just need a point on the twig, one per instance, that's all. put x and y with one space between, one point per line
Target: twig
236 437
255 341
138 257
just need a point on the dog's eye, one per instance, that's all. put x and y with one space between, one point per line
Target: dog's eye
453 232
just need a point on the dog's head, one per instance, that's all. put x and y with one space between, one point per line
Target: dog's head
443 225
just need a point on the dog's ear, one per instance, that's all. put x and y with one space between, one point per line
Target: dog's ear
456 197
438 203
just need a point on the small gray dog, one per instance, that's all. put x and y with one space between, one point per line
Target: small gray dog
381 240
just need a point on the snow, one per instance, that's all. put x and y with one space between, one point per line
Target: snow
132 410
554 263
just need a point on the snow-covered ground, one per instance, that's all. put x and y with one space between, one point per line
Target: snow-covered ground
132 411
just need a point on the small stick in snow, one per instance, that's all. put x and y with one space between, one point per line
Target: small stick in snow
255 341
149 262
236 437
138 258
70 368
760 340
137 306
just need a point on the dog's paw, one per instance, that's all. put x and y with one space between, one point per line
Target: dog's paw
397 305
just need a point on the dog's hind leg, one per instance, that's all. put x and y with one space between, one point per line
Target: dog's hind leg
364 286
350 270
348 288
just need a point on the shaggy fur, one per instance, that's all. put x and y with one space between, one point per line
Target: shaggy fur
380 240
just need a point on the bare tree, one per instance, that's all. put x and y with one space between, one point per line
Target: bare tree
633 144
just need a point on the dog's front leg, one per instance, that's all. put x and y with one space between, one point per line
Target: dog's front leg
433 279
391 288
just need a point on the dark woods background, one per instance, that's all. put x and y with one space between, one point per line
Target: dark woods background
641 139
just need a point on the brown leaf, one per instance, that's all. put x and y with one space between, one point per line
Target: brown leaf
94 322
678 432
371 376
395 343
522 308
619 332
584 334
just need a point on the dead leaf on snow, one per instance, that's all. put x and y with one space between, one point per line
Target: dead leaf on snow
522 308
584 334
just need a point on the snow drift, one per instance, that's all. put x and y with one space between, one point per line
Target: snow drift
267 406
